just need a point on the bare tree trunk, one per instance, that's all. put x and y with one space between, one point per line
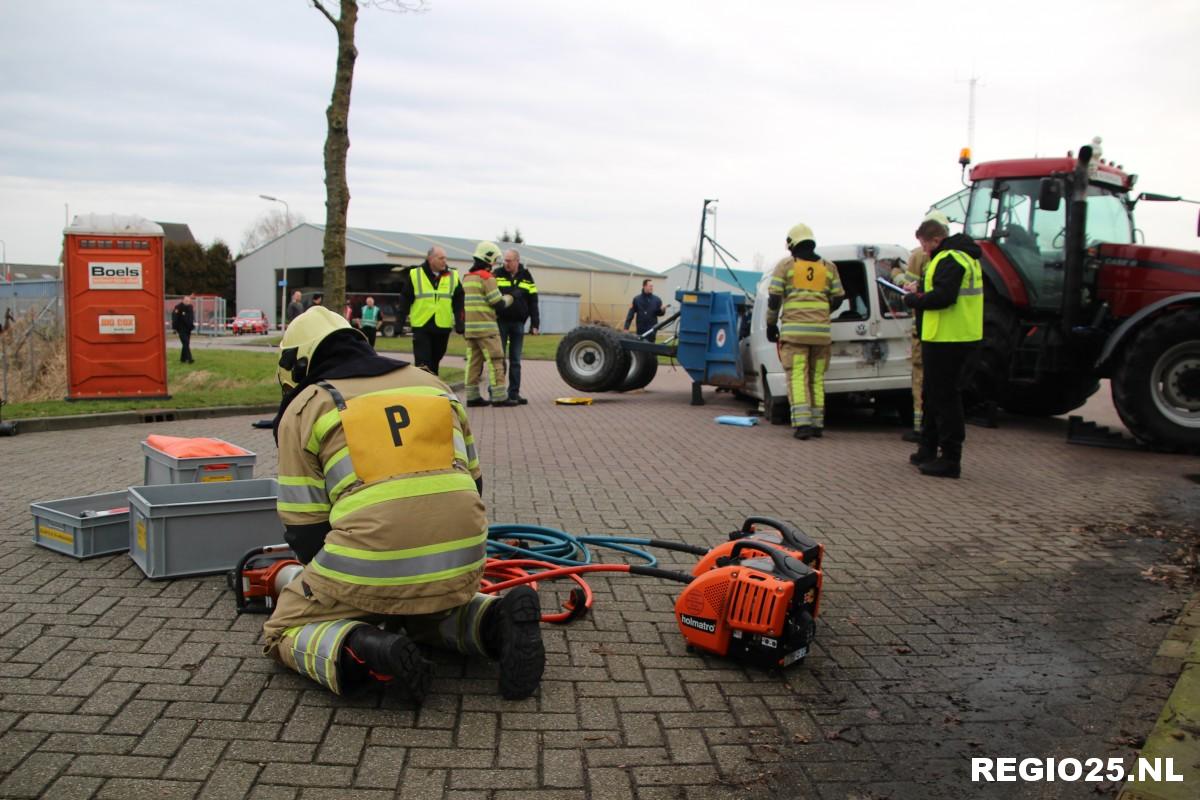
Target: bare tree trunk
337 144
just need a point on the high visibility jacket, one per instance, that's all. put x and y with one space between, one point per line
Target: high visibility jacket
369 316
480 296
389 463
808 289
432 301
524 293
963 320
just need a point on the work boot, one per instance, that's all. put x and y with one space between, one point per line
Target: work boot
803 433
476 402
521 401
941 468
922 456
507 402
512 633
391 659
911 436
817 433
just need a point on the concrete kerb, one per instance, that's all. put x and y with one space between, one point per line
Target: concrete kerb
149 415
1176 734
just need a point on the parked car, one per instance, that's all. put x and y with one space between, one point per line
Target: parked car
250 320
871 356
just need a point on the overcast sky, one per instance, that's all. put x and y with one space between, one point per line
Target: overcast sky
592 125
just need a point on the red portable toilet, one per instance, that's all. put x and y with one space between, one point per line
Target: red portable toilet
113 292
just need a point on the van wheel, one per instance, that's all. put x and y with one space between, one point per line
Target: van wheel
388 329
776 409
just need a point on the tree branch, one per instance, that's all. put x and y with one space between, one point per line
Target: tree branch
317 5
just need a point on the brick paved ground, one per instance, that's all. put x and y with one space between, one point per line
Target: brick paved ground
989 616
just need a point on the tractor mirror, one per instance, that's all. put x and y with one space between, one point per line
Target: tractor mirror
1050 195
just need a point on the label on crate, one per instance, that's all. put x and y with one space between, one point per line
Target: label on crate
118 323
46 532
111 275
215 478
141 535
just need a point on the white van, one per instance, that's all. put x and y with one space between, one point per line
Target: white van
872 342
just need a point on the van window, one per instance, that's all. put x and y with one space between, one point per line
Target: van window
857 305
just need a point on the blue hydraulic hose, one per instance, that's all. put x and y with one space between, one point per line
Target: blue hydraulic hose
559 547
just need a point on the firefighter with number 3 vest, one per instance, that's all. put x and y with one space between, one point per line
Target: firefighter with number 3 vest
379 493
803 288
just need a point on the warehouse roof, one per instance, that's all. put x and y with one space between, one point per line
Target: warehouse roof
415 245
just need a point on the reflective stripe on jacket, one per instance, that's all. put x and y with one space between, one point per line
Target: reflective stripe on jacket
962 321
389 462
432 301
480 296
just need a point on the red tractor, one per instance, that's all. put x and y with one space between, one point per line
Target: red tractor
1071 298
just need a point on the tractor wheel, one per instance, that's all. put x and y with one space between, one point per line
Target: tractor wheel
1056 394
1156 389
776 409
591 359
989 380
643 367
388 330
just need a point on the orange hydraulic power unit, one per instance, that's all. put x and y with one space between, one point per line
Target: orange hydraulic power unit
113 292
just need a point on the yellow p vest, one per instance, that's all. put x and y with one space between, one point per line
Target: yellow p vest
963 321
432 301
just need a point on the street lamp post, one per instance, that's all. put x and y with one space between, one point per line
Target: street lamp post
287 221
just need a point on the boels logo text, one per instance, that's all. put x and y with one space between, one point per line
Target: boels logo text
109 275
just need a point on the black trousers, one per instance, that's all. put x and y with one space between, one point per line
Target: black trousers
429 346
369 332
185 340
946 370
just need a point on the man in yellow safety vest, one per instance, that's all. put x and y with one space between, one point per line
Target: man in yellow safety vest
431 296
950 302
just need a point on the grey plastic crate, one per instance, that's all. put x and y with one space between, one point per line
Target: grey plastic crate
200 528
70 526
163 468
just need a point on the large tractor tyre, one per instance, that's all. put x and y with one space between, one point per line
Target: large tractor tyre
1156 389
591 359
1051 396
988 382
776 409
643 367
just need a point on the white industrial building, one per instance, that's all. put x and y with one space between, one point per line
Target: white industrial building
573 285
712 279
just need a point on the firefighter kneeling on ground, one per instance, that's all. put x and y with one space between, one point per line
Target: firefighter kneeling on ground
379 492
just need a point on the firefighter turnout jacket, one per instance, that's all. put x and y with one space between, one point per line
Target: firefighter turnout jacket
482 299
807 290
388 463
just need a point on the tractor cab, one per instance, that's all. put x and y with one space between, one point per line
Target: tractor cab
1017 210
